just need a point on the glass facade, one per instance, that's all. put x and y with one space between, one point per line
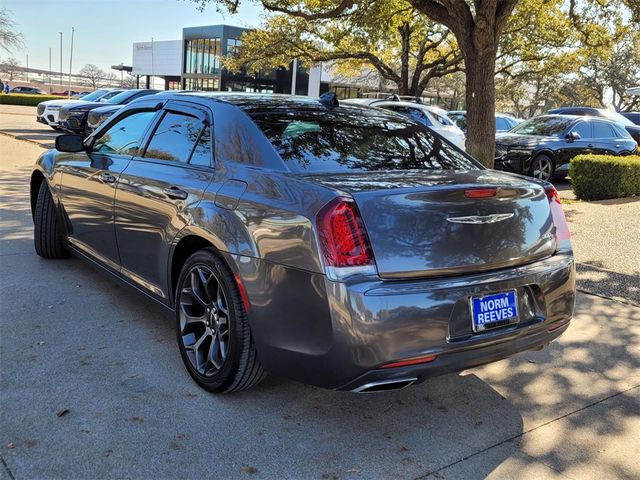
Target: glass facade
202 84
202 56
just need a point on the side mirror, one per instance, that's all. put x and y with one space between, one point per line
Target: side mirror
69 143
572 136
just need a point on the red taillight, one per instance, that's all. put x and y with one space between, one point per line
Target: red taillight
481 193
559 220
343 237
412 361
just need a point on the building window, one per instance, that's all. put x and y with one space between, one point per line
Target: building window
202 84
233 45
202 55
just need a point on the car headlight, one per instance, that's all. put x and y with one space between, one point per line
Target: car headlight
520 150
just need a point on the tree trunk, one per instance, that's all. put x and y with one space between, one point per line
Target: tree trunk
481 106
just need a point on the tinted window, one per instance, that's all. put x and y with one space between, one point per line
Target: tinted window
349 138
583 129
413 113
124 136
109 95
603 130
94 95
174 138
460 119
543 126
502 124
442 119
202 153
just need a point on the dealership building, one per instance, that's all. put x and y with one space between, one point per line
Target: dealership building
194 63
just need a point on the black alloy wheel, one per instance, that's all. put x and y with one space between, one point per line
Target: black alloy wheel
204 320
212 327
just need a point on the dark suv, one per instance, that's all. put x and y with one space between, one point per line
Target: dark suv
632 128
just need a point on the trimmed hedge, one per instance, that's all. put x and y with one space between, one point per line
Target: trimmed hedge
600 177
29 100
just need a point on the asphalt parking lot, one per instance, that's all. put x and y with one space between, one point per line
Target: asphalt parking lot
92 385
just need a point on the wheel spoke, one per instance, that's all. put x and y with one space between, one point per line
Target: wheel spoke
220 301
204 320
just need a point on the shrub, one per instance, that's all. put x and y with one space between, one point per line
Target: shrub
29 100
599 177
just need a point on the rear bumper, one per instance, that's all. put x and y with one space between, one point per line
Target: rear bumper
338 335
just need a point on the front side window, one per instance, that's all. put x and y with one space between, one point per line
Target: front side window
583 129
175 138
351 138
124 137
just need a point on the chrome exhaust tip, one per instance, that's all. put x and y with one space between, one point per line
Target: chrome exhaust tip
385 385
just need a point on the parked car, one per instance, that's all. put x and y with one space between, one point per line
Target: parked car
633 116
340 246
47 112
65 93
73 117
28 90
97 115
543 146
433 117
504 122
632 128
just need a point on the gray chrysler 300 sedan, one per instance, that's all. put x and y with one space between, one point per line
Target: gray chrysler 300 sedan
340 246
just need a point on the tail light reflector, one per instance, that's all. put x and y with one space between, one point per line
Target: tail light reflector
559 220
412 361
343 238
481 193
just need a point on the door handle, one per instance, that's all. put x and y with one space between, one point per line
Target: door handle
618 146
590 145
107 177
175 193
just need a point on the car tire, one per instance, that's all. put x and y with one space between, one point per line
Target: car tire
542 167
212 328
47 235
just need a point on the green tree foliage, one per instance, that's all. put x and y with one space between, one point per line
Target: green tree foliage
389 37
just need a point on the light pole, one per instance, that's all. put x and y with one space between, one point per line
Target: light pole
27 68
70 63
49 69
60 57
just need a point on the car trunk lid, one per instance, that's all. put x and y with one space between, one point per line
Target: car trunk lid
437 223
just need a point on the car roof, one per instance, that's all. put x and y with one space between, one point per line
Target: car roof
584 118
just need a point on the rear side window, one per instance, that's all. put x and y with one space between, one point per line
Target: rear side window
176 137
124 136
350 138
603 130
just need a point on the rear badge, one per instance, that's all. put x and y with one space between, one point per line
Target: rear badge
480 219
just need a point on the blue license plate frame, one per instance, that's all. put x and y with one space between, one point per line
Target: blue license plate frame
494 310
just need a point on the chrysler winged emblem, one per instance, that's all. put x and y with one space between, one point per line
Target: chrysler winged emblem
480 219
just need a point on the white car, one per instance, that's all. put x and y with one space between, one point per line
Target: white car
432 117
48 111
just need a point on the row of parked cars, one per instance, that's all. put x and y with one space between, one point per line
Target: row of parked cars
84 115
542 146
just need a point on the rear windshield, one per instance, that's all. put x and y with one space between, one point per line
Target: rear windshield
351 138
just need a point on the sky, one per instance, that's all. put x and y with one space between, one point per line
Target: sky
106 29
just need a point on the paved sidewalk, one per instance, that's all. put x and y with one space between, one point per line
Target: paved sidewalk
92 386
